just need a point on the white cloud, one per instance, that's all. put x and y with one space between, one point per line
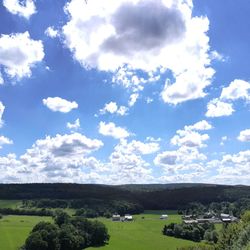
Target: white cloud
4 140
112 108
172 38
24 8
244 136
217 108
132 99
233 168
74 126
2 107
110 129
51 32
189 137
128 166
59 104
201 125
19 53
238 89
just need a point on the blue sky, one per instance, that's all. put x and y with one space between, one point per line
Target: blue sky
131 91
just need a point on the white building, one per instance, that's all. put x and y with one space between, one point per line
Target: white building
164 217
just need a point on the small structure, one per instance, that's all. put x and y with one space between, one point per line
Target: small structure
164 217
227 218
128 217
116 217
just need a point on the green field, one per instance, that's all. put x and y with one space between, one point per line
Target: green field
144 233
15 229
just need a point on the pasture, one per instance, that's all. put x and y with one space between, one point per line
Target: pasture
15 229
144 233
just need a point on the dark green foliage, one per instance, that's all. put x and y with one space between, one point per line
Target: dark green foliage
70 239
146 196
236 236
35 212
61 217
192 232
73 234
44 234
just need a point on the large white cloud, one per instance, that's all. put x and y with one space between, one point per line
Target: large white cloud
217 108
24 8
112 35
244 135
59 104
19 53
110 129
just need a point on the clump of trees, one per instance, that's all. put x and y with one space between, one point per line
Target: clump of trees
236 235
66 233
194 232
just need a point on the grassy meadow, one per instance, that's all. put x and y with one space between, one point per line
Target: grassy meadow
15 229
144 233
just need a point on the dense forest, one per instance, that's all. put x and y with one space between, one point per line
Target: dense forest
173 196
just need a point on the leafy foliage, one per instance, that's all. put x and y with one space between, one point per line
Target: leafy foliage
66 234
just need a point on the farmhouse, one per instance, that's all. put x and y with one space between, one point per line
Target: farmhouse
228 218
164 217
116 217
128 217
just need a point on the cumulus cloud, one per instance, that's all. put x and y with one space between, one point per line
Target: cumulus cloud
62 158
59 104
172 38
74 126
223 106
51 32
24 8
201 125
189 137
2 107
19 53
4 140
233 168
110 129
217 108
127 164
113 108
237 89
244 136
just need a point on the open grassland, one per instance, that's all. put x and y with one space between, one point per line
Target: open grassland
143 233
15 229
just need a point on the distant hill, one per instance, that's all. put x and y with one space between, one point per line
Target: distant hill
151 196
158 187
